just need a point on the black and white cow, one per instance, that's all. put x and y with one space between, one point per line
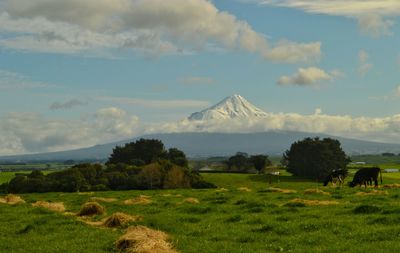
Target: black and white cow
365 176
336 176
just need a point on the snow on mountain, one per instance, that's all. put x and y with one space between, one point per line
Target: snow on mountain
231 107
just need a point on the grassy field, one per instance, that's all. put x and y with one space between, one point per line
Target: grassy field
233 219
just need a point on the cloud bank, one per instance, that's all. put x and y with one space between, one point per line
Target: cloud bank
32 132
99 27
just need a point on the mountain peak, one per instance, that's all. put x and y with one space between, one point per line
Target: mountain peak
234 106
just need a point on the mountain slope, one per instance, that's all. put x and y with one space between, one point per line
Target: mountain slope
215 144
231 107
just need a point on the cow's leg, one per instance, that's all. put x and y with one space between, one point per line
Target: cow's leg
376 182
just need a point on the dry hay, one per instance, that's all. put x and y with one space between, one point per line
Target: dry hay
316 191
191 201
244 189
280 190
391 186
91 208
119 220
141 200
221 190
309 202
372 193
12 199
113 221
53 206
108 200
141 239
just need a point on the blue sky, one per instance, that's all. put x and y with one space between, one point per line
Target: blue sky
76 73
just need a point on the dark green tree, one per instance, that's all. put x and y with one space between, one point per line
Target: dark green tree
260 162
143 151
177 157
315 158
239 162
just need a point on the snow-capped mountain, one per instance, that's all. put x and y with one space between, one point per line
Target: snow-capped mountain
230 107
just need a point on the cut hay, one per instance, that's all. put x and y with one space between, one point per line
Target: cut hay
191 201
244 189
91 208
372 193
120 220
221 190
391 186
280 190
108 200
316 191
141 239
308 202
141 200
56 206
12 199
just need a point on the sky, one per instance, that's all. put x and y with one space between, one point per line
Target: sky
80 73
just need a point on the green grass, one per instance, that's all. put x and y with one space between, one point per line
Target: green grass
224 221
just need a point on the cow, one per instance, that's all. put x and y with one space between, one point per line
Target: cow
336 176
365 176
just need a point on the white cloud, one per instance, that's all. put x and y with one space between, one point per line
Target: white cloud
369 13
364 66
374 129
32 132
374 25
15 81
150 26
350 8
308 77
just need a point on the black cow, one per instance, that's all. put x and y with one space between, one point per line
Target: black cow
336 176
365 176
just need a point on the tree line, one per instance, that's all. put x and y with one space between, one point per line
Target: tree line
144 164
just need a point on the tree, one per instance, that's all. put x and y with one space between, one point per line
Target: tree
143 151
238 162
260 162
315 158
177 157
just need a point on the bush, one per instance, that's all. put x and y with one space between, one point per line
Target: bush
315 158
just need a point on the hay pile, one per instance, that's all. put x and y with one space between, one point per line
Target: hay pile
108 200
286 191
391 186
141 200
56 206
191 201
119 220
372 193
316 191
309 202
141 239
91 208
12 199
221 190
244 189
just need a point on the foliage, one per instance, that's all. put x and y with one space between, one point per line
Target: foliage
146 151
260 162
315 158
242 162
93 177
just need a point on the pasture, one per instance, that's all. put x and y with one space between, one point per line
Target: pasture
245 214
